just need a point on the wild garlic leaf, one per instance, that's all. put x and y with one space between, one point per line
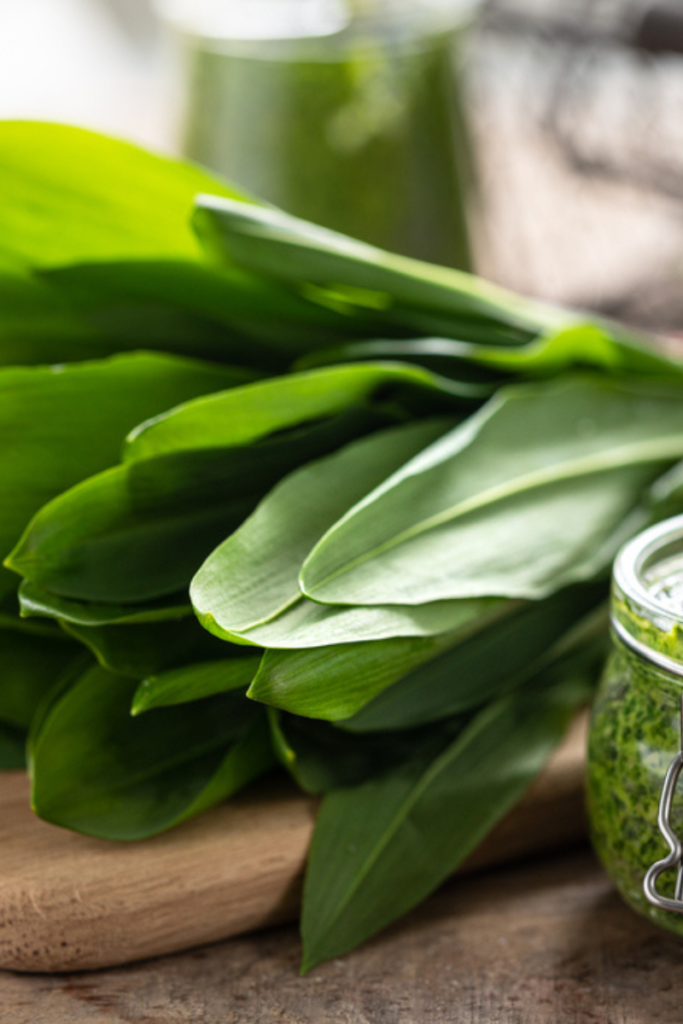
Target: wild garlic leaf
382 847
245 415
479 360
520 500
36 601
336 682
194 308
404 291
194 682
30 666
485 665
402 683
146 648
59 425
98 770
308 624
110 539
71 196
320 757
253 576
388 293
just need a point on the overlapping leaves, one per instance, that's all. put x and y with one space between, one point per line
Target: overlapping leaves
398 544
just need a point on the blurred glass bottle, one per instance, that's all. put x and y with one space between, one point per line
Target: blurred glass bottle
344 112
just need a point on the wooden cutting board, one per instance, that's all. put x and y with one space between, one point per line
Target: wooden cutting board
70 903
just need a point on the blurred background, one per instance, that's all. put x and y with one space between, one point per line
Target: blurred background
536 141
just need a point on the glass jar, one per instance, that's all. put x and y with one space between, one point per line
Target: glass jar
634 754
344 112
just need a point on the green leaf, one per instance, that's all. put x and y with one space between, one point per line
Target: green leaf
247 414
307 624
109 225
320 757
219 313
409 293
71 196
480 361
485 665
100 771
9 620
12 748
37 601
254 575
110 538
60 424
30 666
194 682
474 322
525 497
181 306
380 848
335 682
36 324
141 649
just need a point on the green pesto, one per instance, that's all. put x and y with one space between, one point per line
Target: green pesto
361 137
669 642
634 736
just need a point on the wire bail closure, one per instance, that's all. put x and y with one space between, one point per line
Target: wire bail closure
675 856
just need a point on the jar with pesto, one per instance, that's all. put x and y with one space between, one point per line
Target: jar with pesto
344 112
635 758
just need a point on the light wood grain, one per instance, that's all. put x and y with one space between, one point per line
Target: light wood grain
72 903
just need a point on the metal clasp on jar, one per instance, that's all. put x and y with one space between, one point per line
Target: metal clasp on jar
675 857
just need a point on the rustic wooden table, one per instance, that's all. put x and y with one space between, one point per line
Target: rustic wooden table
538 943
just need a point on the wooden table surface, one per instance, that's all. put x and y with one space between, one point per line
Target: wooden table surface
539 942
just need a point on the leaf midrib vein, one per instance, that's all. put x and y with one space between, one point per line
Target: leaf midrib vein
438 765
601 462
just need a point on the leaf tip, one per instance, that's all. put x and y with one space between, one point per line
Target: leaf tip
307 964
141 699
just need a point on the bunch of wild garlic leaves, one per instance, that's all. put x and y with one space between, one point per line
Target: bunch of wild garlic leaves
276 496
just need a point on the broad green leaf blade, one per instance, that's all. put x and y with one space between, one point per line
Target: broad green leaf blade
308 624
522 499
140 649
9 620
484 666
37 325
36 601
110 225
219 313
60 424
602 346
274 243
320 757
70 196
380 848
480 361
98 770
110 539
178 306
394 293
12 748
29 667
247 414
254 575
334 683
194 682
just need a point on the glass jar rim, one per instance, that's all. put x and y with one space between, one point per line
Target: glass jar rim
294 21
645 621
